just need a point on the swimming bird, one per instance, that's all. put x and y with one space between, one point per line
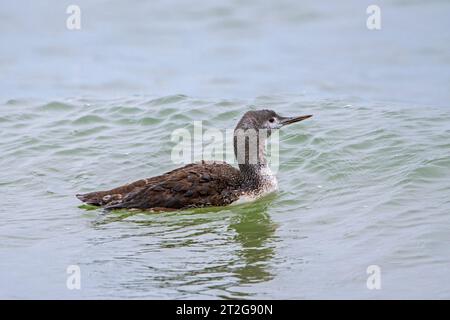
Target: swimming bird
206 183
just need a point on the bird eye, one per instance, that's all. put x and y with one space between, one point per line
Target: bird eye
272 120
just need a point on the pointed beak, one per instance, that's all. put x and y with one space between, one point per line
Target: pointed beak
290 120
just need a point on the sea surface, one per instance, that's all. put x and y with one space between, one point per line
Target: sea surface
365 182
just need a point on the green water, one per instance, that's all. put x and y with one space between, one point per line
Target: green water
359 185
364 182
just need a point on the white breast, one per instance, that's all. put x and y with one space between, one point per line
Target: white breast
270 185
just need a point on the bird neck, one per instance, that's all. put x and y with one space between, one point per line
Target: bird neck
249 150
255 176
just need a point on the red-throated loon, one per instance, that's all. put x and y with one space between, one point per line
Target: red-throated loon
205 183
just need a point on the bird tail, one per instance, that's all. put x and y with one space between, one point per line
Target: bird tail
89 198
99 198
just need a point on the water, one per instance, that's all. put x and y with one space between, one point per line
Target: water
364 182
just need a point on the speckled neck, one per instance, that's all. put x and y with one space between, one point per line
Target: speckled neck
255 172
257 177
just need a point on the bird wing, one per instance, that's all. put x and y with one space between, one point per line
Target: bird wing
112 196
194 185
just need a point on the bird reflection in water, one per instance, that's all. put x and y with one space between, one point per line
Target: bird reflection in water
218 251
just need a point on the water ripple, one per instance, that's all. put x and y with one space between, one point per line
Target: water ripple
359 184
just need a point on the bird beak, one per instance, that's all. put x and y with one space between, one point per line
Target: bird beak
290 120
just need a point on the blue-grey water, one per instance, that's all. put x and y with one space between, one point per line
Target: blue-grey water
365 182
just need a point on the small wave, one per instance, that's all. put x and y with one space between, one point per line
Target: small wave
166 100
56 106
89 119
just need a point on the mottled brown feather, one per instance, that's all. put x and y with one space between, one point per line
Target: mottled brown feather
194 185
